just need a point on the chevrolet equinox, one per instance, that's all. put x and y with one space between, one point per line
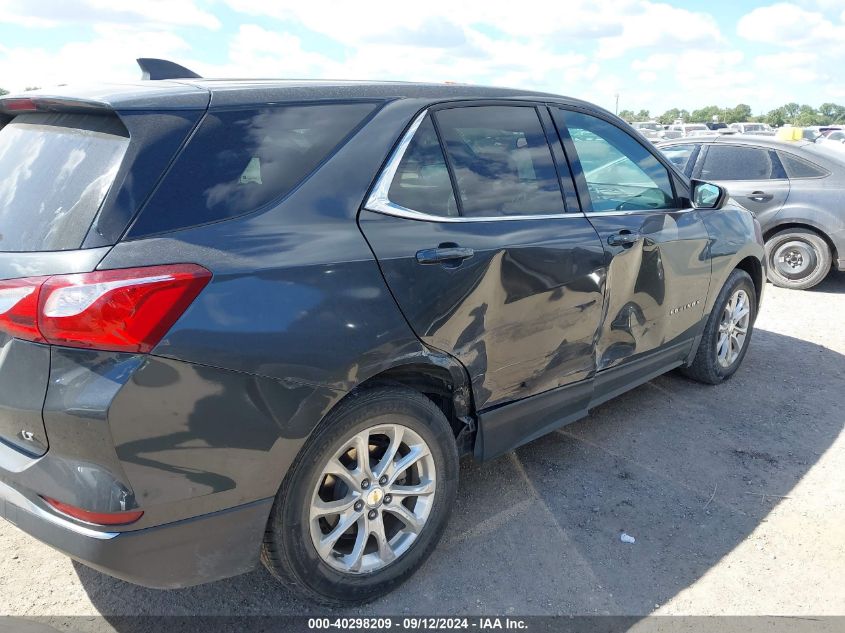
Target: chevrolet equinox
263 320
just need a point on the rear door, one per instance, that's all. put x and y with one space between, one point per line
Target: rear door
657 262
753 176
481 253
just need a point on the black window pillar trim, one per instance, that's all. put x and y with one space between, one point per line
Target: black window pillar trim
571 203
453 179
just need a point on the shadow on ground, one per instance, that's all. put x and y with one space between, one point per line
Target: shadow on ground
688 470
834 283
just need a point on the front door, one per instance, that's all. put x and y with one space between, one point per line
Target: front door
657 264
753 176
481 254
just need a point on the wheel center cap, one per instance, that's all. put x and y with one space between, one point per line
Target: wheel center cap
374 497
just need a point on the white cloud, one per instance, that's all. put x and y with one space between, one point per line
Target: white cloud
663 26
476 58
786 24
349 22
110 57
794 66
653 54
158 13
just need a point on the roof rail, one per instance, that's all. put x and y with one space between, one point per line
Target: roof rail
152 68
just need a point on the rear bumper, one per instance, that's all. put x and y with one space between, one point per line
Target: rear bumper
179 554
838 239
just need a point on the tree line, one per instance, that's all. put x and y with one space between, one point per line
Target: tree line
792 113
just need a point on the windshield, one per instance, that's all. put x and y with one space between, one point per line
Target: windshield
648 126
55 172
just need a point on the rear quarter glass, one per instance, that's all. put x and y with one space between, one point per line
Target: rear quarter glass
55 172
241 160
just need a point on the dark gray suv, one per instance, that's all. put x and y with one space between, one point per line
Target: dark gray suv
262 320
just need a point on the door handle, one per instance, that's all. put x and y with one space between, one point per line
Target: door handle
623 238
760 196
444 255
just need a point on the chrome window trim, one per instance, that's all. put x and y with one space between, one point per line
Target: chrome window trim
378 201
599 214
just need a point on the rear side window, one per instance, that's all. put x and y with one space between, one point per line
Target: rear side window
501 161
239 161
799 168
422 180
734 162
679 155
55 172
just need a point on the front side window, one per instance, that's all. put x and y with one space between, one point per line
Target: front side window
422 179
735 162
501 161
621 174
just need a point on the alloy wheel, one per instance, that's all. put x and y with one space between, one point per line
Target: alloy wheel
372 499
733 328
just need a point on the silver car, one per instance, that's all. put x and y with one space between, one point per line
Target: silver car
761 129
795 189
654 131
690 129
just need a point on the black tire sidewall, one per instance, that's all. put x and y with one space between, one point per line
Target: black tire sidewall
290 516
815 276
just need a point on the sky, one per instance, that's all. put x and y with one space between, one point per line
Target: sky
653 55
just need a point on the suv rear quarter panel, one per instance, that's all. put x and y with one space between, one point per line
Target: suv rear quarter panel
296 315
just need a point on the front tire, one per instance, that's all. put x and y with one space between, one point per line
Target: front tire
727 334
797 259
345 530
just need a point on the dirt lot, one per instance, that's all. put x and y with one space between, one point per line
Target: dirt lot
735 496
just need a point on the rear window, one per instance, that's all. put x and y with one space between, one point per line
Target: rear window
55 172
240 160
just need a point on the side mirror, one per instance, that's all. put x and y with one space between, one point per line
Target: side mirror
706 195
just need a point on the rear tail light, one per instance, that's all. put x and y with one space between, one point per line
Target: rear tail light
19 308
99 518
127 310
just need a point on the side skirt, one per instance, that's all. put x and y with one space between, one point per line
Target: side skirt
508 426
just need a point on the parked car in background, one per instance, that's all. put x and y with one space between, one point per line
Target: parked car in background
761 129
796 190
261 320
720 128
832 134
833 140
690 129
652 130
811 133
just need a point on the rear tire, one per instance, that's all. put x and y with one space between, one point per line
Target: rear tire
727 334
391 530
797 259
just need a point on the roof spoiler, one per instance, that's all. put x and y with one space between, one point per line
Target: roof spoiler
152 69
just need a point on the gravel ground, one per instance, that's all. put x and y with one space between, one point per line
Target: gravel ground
734 494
